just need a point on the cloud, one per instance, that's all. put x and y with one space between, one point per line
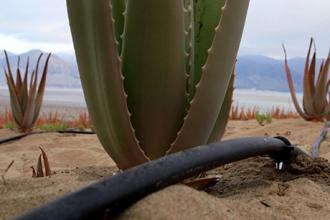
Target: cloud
31 24
43 24
273 22
15 45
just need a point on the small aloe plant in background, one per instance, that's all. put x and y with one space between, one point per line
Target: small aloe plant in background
316 96
26 95
316 102
157 74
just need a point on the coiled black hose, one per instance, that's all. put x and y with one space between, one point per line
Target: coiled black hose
120 191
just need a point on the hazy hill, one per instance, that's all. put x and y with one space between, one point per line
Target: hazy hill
253 71
265 73
61 73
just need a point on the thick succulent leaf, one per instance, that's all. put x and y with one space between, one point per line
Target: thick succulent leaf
9 72
207 15
14 103
14 100
40 172
31 80
154 69
211 90
18 78
7 62
292 89
118 9
100 72
312 72
37 67
27 123
190 48
24 91
307 89
46 162
321 91
41 91
223 117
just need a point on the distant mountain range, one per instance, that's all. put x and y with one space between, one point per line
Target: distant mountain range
253 71
62 69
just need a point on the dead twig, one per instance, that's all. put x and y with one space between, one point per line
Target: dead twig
315 150
5 171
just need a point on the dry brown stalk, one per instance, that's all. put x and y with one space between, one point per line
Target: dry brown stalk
5 171
41 164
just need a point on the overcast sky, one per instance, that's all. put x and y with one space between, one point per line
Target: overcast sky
43 24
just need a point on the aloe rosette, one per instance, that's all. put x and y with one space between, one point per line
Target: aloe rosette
26 95
316 98
157 75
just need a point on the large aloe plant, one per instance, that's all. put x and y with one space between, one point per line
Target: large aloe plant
157 75
26 97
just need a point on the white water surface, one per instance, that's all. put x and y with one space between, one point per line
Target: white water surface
247 98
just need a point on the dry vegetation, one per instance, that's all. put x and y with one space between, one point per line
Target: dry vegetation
241 113
82 120
51 121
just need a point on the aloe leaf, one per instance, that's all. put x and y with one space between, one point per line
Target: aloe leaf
24 90
154 69
324 71
223 117
31 80
320 95
307 90
118 9
30 98
14 100
37 66
14 103
211 90
190 48
40 172
27 123
8 63
207 15
41 91
10 73
18 78
292 89
46 162
99 64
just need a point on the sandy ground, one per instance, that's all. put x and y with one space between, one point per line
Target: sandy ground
249 189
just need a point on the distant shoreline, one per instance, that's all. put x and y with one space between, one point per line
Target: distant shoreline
73 98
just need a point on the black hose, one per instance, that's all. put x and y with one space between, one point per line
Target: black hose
22 135
75 131
120 191
13 138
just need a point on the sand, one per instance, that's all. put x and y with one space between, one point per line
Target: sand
248 189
